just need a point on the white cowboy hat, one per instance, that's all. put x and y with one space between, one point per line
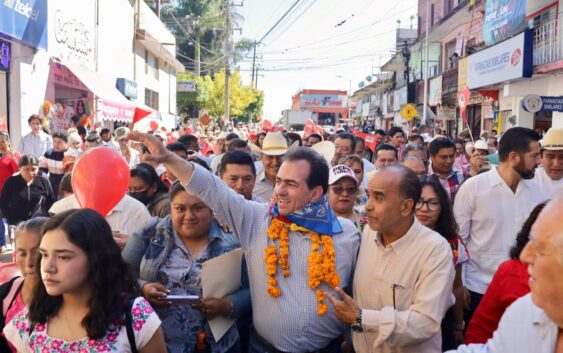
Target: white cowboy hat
481 145
325 149
553 140
274 144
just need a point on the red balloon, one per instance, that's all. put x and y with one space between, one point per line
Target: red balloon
100 179
153 125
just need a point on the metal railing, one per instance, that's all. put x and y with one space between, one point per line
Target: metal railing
548 43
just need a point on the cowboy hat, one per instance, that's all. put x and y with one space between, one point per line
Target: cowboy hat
274 144
553 140
325 149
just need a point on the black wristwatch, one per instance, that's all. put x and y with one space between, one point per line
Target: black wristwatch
357 325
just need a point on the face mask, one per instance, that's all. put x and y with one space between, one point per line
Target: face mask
141 196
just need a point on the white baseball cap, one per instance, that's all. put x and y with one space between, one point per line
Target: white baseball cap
341 171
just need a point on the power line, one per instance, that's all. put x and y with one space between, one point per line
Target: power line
279 20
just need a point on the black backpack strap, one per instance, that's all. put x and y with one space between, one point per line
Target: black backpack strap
129 327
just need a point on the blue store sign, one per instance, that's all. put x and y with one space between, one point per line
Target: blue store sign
4 56
25 20
127 87
533 103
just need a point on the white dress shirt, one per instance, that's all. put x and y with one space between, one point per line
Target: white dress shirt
407 318
548 186
35 145
524 328
489 215
127 217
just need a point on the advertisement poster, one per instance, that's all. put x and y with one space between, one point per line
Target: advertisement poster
26 21
503 19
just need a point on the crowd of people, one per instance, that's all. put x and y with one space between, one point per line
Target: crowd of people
427 244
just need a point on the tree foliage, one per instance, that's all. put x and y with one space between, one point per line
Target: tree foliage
244 100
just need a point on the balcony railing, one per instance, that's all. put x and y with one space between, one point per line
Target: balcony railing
548 43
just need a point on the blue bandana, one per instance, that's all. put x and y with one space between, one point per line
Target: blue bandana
316 216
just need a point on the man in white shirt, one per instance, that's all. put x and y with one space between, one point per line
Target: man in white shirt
36 142
534 323
549 175
404 274
368 166
491 207
128 216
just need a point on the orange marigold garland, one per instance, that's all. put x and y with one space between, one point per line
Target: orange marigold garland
322 261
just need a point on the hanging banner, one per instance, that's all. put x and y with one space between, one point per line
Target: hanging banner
463 102
435 91
503 19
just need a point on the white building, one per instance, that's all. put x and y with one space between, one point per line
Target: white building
80 50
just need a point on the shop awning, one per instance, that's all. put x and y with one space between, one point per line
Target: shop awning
112 104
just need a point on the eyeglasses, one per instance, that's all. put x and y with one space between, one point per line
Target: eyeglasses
431 204
339 190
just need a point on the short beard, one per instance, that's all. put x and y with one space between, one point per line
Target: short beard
523 172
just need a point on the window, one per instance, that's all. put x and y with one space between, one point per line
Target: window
151 98
152 66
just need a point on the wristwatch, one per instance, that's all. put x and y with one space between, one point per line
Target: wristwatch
357 325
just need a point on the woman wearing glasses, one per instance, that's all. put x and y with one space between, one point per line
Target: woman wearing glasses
435 212
343 188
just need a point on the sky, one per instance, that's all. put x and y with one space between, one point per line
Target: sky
321 44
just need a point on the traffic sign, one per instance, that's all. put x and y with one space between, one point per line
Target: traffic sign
408 112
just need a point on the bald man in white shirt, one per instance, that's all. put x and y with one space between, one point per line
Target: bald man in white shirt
404 274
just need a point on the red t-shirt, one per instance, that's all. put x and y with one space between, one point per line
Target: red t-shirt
8 166
509 283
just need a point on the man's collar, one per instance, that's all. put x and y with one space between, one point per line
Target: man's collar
453 171
496 179
401 243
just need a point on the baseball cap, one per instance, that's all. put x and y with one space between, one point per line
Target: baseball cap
340 171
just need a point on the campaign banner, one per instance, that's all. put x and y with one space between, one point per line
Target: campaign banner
323 101
508 60
25 20
503 19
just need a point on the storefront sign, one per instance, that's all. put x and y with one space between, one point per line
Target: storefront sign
185 86
323 101
72 32
127 87
533 103
462 74
25 20
435 91
503 19
4 56
62 76
509 60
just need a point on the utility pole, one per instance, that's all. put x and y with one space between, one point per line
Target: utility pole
227 49
256 78
425 73
253 61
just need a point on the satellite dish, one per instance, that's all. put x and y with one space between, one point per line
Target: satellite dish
368 78
361 84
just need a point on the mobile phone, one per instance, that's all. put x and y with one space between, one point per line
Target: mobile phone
182 299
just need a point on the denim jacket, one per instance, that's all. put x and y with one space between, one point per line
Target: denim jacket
149 248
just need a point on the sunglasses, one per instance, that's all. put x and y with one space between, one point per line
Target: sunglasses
349 191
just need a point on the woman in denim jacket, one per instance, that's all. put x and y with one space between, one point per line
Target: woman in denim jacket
168 254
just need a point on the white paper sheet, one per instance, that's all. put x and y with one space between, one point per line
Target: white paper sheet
220 277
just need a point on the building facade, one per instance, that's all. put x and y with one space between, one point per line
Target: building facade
91 62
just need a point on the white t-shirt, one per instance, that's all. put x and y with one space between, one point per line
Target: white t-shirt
145 322
128 216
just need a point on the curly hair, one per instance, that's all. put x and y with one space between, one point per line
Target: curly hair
523 235
446 225
112 282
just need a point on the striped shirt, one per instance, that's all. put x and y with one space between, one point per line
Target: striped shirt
52 162
290 323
